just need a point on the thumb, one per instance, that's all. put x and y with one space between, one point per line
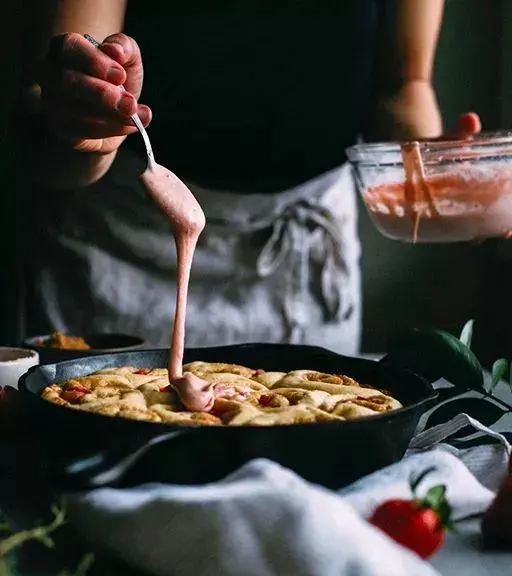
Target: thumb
468 125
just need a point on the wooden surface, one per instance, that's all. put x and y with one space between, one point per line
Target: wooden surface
26 499
26 503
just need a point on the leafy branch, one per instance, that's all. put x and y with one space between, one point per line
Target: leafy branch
40 534
82 568
436 354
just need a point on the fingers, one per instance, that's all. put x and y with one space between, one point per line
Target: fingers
74 52
469 124
126 52
81 90
75 129
95 94
69 122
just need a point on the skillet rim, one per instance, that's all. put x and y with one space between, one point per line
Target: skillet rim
186 429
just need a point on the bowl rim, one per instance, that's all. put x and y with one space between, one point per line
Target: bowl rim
24 354
483 145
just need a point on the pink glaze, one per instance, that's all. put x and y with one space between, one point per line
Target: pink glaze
466 204
196 394
187 221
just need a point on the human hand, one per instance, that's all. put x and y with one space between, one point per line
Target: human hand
468 125
412 113
81 98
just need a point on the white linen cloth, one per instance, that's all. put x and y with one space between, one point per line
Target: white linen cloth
263 520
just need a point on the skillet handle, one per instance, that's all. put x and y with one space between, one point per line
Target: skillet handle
106 468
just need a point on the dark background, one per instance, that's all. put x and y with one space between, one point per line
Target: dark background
404 285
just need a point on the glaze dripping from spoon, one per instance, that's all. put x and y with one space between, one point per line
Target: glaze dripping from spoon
187 221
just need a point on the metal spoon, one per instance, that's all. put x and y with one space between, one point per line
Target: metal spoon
187 220
135 119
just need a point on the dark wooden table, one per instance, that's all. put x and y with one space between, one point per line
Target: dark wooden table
26 498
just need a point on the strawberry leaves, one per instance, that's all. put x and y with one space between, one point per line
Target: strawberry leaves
434 499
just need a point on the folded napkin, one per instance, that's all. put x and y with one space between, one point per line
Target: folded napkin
264 520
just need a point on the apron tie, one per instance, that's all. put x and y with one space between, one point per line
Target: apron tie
305 238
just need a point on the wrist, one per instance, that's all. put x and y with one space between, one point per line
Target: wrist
61 167
410 113
57 164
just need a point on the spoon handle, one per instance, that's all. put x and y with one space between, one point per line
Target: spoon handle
135 119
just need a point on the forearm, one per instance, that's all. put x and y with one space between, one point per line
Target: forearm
406 43
417 27
61 168
52 163
403 103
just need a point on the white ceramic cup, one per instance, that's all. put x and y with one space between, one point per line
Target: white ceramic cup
14 362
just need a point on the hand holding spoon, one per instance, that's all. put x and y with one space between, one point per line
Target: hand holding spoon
187 221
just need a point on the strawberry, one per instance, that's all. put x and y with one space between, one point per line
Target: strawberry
265 400
78 388
417 524
497 521
73 396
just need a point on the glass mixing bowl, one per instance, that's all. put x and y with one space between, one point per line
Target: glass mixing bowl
438 191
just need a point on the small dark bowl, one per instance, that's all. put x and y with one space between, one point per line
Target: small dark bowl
100 343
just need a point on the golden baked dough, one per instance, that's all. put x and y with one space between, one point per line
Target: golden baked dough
243 396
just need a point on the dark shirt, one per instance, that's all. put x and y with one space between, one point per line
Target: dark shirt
250 97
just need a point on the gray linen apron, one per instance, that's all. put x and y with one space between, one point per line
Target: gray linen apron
268 268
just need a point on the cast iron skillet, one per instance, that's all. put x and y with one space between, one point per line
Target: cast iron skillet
85 449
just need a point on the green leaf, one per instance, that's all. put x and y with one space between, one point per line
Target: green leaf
467 333
445 514
436 354
500 368
435 496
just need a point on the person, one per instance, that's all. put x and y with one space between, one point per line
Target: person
253 108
